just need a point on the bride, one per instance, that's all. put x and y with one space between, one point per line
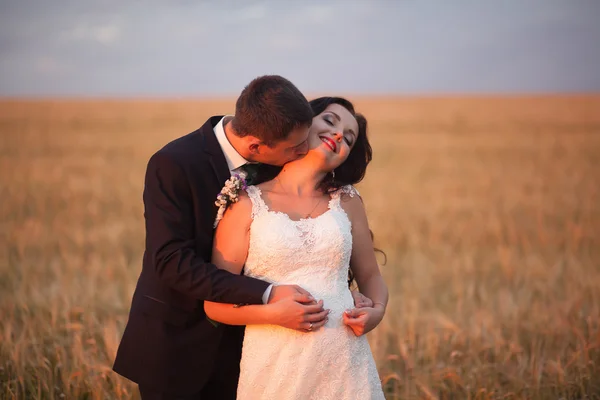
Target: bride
308 227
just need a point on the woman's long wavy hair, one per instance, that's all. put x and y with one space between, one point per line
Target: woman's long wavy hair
353 170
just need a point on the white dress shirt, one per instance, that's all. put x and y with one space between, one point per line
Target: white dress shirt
234 162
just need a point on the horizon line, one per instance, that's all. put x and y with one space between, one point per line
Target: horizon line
226 97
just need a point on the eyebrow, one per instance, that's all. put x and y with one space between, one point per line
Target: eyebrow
337 116
339 119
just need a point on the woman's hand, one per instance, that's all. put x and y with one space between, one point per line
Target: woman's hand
363 320
360 300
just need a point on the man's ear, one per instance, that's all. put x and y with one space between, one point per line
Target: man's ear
254 145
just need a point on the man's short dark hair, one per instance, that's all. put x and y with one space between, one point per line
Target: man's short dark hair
270 108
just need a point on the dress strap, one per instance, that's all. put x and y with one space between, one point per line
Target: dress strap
348 190
258 204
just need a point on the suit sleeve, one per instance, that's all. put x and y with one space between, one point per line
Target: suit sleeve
170 241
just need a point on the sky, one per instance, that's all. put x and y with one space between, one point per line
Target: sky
204 48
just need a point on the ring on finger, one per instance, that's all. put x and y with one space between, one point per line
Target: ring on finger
310 327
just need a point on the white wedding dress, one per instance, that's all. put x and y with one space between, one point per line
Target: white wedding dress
330 363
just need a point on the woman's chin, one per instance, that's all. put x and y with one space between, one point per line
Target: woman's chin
317 154
321 159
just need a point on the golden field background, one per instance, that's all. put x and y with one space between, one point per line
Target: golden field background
488 210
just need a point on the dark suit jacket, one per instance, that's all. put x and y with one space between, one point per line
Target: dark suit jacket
168 344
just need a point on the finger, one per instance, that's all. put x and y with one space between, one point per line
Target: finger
302 291
353 313
317 317
317 325
358 298
358 321
314 308
356 330
347 320
366 302
304 298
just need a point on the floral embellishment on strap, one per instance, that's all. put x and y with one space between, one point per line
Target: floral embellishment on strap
229 194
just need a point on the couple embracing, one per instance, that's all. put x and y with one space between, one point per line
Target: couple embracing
253 235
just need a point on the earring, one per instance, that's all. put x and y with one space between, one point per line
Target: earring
333 175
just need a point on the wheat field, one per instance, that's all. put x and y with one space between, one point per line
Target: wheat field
488 210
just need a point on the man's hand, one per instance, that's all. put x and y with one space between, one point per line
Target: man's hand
294 308
360 300
363 320
299 313
282 292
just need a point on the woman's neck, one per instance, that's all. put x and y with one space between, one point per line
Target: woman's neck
296 179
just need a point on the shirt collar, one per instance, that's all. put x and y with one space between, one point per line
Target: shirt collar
234 159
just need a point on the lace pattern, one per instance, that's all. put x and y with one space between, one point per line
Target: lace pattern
314 253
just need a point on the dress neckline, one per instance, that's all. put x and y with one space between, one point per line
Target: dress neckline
286 215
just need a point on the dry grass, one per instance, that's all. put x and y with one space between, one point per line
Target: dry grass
488 209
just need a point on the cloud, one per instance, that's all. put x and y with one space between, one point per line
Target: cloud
192 47
250 13
105 34
318 13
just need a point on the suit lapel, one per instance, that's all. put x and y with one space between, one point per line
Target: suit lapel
213 150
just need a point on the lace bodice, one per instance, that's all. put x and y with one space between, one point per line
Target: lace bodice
283 250
314 253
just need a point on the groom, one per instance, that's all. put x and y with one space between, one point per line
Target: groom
169 347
